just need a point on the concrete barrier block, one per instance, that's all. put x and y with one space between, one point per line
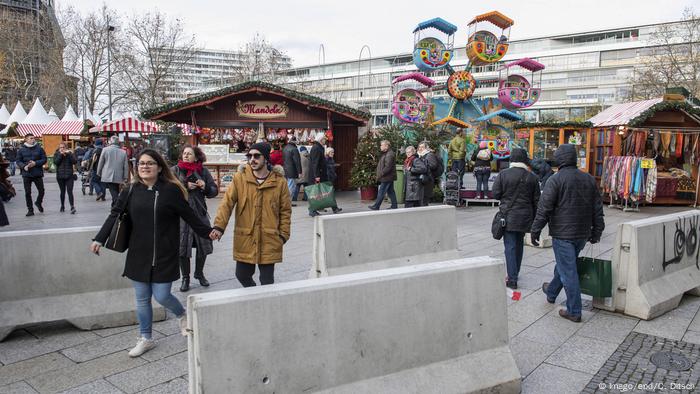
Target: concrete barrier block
654 262
430 328
55 277
373 240
545 239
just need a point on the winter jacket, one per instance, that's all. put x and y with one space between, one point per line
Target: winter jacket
505 188
481 163
36 153
414 187
3 216
304 167
292 161
155 230
386 167
570 202
197 201
431 161
113 166
262 216
458 148
64 164
542 169
317 164
10 154
330 169
276 158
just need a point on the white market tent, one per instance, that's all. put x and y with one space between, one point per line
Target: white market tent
4 115
53 115
70 115
36 120
18 115
69 125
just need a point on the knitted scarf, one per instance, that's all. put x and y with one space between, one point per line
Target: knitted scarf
190 167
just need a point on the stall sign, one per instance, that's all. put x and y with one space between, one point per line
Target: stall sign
261 109
647 163
215 153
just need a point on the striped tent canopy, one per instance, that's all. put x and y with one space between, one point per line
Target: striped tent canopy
124 125
34 123
64 127
25 129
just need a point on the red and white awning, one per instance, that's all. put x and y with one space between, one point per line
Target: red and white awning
24 129
63 127
126 125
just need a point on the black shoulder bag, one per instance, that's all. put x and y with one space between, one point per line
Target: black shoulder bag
498 226
118 239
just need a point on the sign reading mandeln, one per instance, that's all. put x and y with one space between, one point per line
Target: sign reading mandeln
261 109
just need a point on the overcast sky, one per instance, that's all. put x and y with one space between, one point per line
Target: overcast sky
343 27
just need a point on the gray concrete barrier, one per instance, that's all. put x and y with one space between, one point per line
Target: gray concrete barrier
51 275
429 328
372 240
654 262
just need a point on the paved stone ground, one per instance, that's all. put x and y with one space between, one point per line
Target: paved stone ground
553 354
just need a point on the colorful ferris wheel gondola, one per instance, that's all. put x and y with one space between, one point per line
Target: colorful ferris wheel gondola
409 105
484 46
431 53
516 91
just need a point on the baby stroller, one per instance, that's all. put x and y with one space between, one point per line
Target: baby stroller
452 189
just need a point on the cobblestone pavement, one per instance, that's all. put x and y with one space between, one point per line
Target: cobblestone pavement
553 354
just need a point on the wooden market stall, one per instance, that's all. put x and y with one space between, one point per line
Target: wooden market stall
543 138
231 118
648 152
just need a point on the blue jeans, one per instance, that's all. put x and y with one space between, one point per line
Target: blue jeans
144 309
565 274
96 183
13 168
482 180
458 167
293 188
513 243
385 187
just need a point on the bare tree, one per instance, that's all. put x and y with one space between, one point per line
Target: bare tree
159 48
260 61
673 60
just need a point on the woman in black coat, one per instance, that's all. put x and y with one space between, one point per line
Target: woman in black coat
518 189
196 178
155 202
64 160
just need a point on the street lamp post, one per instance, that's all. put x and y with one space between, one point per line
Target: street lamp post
109 70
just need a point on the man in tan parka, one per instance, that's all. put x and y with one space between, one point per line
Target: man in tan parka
263 211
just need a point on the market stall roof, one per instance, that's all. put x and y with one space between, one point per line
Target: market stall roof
438 24
503 113
258 87
494 17
70 115
622 114
526 63
451 121
52 115
17 115
4 115
554 125
36 120
416 76
126 125
64 127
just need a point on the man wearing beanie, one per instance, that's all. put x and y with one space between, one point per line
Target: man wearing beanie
572 206
519 192
260 197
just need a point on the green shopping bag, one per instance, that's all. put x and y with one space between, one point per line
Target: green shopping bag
321 196
595 276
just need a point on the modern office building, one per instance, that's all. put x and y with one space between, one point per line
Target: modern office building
210 69
584 72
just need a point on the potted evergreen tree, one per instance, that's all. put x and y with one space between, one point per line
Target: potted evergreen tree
364 166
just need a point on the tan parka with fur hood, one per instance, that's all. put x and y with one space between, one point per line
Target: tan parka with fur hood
263 216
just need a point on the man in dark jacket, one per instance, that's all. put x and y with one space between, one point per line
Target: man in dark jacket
31 159
543 171
519 191
386 175
318 170
431 160
292 167
572 206
10 154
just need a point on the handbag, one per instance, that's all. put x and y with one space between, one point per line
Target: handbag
498 225
595 276
118 239
321 196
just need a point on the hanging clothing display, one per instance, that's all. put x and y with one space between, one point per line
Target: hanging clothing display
624 177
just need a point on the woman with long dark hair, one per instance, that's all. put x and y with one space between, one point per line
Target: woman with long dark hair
65 160
155 201
200 185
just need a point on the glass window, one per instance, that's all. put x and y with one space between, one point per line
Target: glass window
546 142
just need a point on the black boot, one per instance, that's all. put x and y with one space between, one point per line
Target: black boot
185 284
202 280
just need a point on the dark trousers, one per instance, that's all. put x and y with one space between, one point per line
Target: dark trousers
566 252
13 168
39 182
96 184
199 260
413 204
458 167
428 193
513 244
245 271
384 188
482 180
66 185
113 191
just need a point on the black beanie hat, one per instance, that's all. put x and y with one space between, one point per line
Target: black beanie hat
519 155
263 148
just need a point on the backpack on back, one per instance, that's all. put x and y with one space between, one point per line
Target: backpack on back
439 170
484 154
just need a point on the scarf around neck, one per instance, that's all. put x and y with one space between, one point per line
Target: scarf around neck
30 146
519 165
190 167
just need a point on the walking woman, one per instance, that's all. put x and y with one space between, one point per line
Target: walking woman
482 169
200 186
413 168
155 201
65 160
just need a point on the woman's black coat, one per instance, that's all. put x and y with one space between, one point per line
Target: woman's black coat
64 164
197 201
155 230
505 188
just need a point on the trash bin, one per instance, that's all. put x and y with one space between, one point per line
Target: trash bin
398 185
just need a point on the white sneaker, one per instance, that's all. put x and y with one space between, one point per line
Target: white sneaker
142 346
182 320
